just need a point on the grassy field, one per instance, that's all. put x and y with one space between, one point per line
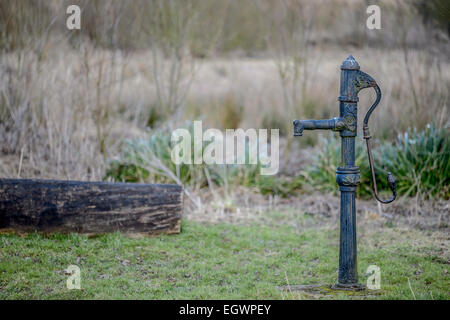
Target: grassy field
220 261
101 103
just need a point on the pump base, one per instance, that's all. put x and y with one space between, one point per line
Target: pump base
349 286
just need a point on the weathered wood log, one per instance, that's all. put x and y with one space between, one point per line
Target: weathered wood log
89 207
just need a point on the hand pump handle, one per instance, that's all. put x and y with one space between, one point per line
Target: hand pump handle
390 177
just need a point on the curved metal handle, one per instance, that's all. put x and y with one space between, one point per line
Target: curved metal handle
390 178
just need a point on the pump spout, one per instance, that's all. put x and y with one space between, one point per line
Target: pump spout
335 124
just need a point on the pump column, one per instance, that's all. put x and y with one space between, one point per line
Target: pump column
348 177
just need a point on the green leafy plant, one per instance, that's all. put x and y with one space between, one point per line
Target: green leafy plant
322 174
280 186
149 160
418 159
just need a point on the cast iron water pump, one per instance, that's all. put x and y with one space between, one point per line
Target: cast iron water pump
347 177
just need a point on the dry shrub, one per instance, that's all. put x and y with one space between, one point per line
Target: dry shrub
69 98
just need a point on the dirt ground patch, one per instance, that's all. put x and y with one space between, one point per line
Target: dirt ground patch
242 206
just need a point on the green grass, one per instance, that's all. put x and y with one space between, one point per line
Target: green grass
219 261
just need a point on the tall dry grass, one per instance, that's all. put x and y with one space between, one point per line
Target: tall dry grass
68 99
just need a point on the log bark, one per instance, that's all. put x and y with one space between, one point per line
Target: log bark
89 207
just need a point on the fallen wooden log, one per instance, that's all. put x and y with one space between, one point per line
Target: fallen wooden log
90 207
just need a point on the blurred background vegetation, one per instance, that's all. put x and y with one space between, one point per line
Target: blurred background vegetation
101 102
